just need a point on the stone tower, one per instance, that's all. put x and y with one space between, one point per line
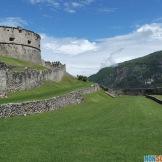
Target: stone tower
20 43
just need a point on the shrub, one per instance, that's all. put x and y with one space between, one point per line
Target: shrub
82 78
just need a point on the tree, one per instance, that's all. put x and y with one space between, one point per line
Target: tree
82 78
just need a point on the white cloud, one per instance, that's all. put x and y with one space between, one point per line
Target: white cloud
85 57
158 20
107 10
35 1
70 6
154 30
69 46
13 21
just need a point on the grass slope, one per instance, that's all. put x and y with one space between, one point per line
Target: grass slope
47 90
19 64
101 129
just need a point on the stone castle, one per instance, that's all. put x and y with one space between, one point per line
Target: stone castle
20 43
24 45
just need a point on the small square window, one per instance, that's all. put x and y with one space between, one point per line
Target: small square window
29 42
11 39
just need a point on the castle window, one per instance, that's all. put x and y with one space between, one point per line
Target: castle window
20 31
29 42
11 39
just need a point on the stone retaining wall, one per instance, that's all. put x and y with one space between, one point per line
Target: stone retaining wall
154 99
27 108
27 79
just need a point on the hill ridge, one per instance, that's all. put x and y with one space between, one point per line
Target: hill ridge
143 72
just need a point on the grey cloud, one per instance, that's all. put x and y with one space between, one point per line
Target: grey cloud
70 6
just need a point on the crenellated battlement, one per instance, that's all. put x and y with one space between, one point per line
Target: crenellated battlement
53 65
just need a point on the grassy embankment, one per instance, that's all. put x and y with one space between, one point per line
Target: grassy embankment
20 65
47 90
123 129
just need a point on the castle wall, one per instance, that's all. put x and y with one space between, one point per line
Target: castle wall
21 52
24 80
24 45
3 78
15 81
20 43
56 74
27 108
3 82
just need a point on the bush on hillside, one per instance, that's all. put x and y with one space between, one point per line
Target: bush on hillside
82 78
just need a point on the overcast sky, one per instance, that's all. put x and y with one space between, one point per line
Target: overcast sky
87 35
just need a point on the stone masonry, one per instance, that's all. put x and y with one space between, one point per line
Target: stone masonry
11 80
27 108
20 43
24 44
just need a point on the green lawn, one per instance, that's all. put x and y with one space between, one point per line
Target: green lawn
102 129
20 65
47 90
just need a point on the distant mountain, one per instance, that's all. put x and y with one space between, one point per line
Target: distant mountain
144 72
